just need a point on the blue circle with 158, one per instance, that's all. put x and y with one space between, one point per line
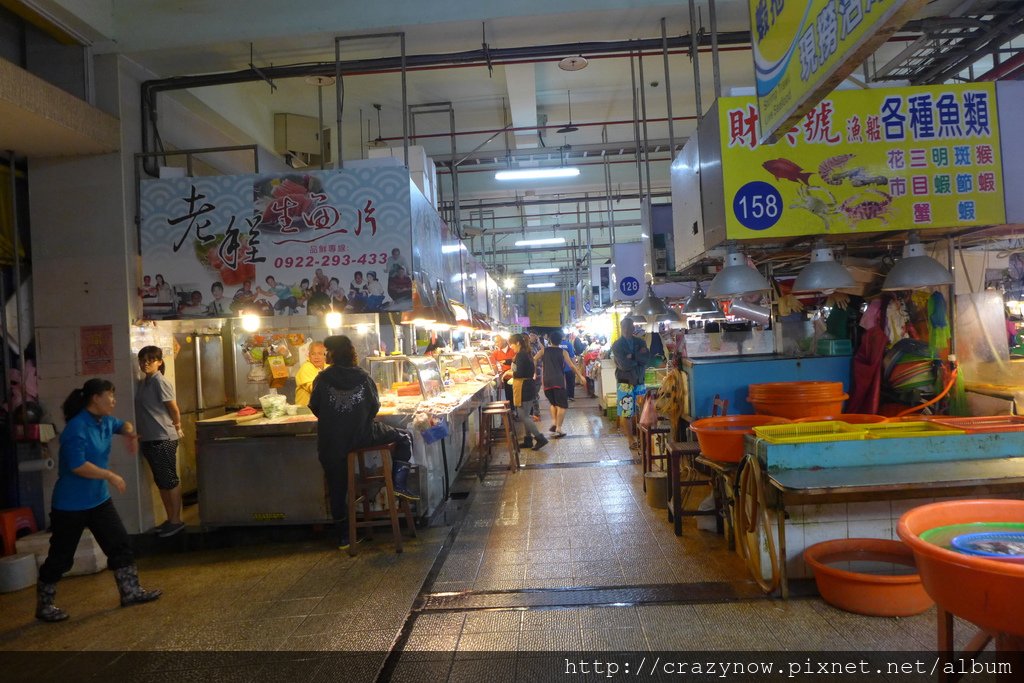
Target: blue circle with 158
629 286
757 205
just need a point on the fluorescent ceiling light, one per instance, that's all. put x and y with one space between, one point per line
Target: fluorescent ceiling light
452 248
541 285
537 173
540 271
540 242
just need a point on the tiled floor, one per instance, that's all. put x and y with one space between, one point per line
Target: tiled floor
575 519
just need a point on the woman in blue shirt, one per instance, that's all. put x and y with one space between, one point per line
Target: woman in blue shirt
81 498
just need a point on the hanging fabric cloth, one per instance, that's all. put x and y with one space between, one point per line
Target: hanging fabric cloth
866 376
938 326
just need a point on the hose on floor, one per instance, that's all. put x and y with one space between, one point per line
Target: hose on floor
752 516
939 397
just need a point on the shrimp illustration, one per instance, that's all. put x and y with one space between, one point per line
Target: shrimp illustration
866 206
832 164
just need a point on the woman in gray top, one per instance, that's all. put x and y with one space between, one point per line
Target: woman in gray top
158 422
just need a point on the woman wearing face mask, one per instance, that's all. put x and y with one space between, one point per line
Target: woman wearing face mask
81 498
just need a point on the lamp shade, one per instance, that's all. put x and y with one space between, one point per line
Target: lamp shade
649 309
736 278
421 313
698 303
822 274
916 269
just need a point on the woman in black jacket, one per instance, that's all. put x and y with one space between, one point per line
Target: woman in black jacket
524 389
345 401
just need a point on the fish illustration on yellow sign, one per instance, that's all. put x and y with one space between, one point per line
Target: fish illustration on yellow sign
866 161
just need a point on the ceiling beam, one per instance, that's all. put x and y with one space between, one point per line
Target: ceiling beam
521 84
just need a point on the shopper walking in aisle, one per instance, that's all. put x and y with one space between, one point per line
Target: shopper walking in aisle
524 390
159 420
570 370
81 498
316 361
553 360
345 401
631 355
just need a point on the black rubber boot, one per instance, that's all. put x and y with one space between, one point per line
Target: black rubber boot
400 477
45 609
128 585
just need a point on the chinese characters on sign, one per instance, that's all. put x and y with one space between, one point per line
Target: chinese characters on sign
215 246
803 49
866 160
97 343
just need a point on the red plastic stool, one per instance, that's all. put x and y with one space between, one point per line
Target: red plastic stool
12 521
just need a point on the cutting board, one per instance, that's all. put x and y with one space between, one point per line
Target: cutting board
234 418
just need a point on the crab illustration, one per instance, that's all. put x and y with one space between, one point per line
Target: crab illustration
867 205
819 201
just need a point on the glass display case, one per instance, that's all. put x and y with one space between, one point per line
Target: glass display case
458 367
484 361
405 376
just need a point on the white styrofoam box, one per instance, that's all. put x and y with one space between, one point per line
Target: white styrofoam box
89 559
417 155
419 178
373 162
17 572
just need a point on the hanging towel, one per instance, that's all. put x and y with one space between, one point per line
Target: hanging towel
866 380
938 325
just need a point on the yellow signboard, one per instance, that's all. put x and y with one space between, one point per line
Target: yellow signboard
804 49
865 161
544 309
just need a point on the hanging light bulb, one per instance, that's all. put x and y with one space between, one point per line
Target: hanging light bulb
916 269
736 278
699 304
822 274
250 322
333 320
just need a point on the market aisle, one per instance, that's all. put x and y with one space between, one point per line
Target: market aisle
566 555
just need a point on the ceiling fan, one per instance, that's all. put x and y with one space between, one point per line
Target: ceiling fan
569 128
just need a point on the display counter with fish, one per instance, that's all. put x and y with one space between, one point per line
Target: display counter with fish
258 471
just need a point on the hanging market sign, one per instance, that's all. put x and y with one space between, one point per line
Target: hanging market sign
803 50
866 161
290 244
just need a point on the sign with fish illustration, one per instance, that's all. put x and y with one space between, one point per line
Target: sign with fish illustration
865 161
803 50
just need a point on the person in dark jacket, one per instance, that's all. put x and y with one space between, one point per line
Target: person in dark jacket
524 389
345 401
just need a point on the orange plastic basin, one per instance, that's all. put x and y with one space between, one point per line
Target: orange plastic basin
721 438
876 595
848 418
792 389
795 409
988 593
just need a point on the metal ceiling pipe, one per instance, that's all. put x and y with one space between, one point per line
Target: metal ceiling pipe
643 111
695 56
636 125
513 129
517 203
339 89
1005 69
954 62
715 70
150 89
668 86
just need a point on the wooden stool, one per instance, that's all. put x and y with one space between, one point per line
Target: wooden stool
485 434
510 435
13 520
360 486
646 435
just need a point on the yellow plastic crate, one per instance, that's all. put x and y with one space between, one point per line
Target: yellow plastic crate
811 432
909 430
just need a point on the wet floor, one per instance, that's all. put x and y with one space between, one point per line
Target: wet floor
564 554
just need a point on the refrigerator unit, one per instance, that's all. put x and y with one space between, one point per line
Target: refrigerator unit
199 387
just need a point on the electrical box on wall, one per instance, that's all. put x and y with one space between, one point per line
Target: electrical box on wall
296 137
